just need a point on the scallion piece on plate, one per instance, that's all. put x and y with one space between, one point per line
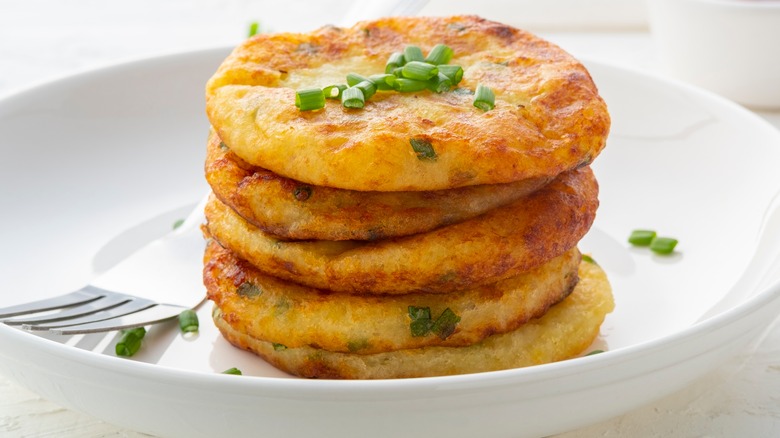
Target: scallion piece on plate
234 371
405 85
413 53
368 88
130 341
484 98
310 99
353 97
333 91
423 148
440 83
454 72
396 60
663 245
445 324
354 79
641 237
421 71
188 321
383 81
439 54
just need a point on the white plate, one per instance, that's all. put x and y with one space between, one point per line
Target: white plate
96 164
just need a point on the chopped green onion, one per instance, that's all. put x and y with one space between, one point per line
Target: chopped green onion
421 71
413 53
248 289
663 245
353 98
368 88
178 223
589 259
439 54
641 237
333 91
399 72
440 83
445 324
188 321
396 60
594 352
354 79
383 81
279 347
405 85
421 320
130 341
484 98
235 371
310 99
454 72
423 148
253 28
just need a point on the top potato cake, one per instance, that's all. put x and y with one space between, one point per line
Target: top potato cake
548 116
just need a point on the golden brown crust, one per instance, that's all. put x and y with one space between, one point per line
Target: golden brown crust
496 245
565 331
282 312
548 116
294 210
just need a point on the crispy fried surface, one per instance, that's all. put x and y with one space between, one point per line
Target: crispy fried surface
294 210
279 311
565 331
548 116
496 245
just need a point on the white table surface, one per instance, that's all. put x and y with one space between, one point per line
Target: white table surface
44 39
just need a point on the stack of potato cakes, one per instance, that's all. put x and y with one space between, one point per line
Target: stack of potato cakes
338 250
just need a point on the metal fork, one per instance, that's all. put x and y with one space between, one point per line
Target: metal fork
154 284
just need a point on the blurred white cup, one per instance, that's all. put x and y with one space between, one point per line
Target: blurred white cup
731 47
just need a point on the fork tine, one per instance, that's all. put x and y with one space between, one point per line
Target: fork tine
58 302
124 308
105 302
150 315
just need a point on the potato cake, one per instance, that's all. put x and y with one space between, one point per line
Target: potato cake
496 245
548 116
278 311
565 331
290 209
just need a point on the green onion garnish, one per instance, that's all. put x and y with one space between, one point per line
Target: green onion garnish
663 245
454 72
130 341
594 352
484 98
354 79
253 28
641 237
310 99
421 71
423 148
353 98
398 72
368 88
279 347
421 320
589 259
188 321
405 85
178 223
396 60
234 371
445 324
413 53
440 83
248 289
333 91
383 81
439 54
